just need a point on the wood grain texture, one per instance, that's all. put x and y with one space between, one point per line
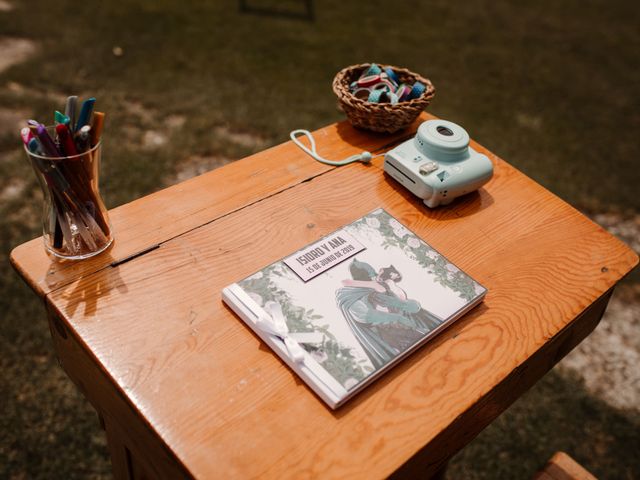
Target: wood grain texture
226 406
134 448
180 208
468 424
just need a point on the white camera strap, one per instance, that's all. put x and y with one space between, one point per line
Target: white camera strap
364 157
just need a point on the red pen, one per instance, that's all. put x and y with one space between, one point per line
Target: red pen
66 141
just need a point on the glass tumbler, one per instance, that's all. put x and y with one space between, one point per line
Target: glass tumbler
75 222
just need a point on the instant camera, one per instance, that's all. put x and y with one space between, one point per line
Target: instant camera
438 165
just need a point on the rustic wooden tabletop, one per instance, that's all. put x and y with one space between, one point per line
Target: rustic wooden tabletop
186 389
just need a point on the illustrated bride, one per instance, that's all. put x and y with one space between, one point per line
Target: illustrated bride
383 320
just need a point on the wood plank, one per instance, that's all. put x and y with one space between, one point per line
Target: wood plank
562 467
180 208
467 425
217 396
542 476
133 446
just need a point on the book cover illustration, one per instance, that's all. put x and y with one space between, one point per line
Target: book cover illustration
363 296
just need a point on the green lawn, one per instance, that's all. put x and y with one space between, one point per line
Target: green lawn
552 87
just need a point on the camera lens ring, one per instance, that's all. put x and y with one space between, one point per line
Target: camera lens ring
445 131
433 142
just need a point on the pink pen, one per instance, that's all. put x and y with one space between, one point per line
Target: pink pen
26 135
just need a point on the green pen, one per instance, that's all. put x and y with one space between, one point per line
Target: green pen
61 119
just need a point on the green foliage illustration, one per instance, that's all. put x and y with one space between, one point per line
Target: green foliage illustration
337 359
394 234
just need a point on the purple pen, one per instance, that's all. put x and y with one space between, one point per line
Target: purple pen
33 126
47 143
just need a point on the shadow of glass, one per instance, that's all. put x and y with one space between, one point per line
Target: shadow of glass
89 289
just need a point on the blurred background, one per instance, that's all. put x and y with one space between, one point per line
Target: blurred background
552 87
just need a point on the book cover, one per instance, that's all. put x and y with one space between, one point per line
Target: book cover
344 309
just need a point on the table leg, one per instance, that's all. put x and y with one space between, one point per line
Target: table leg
120 456
441 474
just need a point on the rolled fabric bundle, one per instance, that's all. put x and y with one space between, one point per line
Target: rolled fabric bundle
362 93
368 80
417 90
373 69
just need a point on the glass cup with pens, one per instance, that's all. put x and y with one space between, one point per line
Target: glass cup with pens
66 161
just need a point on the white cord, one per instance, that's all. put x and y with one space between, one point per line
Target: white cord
364 157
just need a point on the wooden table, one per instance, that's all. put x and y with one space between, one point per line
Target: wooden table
184 388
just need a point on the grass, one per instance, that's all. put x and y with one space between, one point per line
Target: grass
551 87
556 414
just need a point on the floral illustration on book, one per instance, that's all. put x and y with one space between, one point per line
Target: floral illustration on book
365 311
395 235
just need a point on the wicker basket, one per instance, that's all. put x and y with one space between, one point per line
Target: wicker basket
380 117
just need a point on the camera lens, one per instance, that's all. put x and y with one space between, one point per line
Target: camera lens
442 130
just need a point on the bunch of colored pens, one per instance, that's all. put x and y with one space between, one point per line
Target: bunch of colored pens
66 159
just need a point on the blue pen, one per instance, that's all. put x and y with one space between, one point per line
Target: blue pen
85 113
34 146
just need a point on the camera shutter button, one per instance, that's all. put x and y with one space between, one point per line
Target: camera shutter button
427 168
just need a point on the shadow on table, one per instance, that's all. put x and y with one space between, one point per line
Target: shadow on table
89 289
463 206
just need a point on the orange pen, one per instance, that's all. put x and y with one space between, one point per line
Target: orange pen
97 123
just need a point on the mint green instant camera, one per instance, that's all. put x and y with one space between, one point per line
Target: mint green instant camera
438 165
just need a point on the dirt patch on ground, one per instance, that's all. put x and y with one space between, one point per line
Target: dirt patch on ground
12 189
146 115
142 123
196 165
153 139
20 90
13 120
625 227
15 50
608 360
242 139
